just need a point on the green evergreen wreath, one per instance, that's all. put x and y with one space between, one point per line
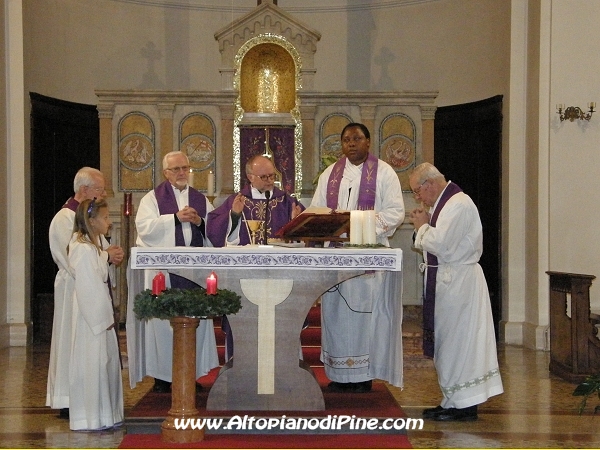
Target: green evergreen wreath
185 302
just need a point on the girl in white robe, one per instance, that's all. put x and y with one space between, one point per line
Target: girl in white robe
95 385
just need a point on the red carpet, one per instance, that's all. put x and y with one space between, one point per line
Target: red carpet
378 403
275 441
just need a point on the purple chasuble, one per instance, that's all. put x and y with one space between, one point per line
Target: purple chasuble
72 204
280 213
167 204
368 183
432 263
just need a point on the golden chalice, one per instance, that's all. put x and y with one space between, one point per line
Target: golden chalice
254 226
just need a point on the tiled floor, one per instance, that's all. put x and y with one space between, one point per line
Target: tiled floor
537 409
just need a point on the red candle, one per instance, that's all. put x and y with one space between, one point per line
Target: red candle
158 284
211 284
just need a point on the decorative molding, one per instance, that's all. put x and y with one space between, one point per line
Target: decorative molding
428 112
272 257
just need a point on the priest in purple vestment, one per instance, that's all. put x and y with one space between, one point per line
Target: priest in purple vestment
457 314
260 200
173 214
87 185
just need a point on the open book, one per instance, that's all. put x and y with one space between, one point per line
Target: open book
317 224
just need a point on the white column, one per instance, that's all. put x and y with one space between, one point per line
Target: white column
17 253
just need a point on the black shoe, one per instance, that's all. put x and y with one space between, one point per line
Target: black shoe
64 413
161 386
334 386
430 413
458 415
361 387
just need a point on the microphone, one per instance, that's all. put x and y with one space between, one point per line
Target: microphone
267 196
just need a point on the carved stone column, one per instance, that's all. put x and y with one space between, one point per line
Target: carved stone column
367 115
225 153
165 111
105 116
308 148
183 388
427 119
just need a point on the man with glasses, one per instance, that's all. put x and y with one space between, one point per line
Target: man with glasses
87 185
461 340
259 200
173 214
361 317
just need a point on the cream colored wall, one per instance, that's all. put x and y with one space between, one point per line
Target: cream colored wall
455 46
574 158
4 328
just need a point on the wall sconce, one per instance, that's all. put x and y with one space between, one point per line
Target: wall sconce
575 112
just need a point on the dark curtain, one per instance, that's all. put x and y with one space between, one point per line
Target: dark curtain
64 137
468 144
281 143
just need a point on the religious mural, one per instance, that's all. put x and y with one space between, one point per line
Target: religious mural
136 139
197 141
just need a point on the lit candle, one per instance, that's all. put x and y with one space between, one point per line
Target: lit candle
210 189
158 283
369 232
128 207
211 284
356 227
191 178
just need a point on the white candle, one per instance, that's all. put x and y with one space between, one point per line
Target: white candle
210 190
191 178
369 233
356 227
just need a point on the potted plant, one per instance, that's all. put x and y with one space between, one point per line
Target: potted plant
588 387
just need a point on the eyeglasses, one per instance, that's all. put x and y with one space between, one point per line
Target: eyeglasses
179 169
97 189
347 140
269 177
417 191
91 207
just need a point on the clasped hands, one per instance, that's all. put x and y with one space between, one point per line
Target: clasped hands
115 254
419 216
189 214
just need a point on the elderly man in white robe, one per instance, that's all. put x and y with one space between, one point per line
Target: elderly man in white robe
173 214
87 185
457 315
362 317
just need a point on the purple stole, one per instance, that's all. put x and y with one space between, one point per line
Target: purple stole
168 205
368 183
280 213
432 263
72 204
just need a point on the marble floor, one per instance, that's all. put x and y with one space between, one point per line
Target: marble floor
537 409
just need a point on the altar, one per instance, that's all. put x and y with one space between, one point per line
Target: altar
278 285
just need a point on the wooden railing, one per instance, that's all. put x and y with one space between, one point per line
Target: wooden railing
574 344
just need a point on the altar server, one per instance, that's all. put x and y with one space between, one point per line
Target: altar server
88 184
95 385
173 214
457 314
362 317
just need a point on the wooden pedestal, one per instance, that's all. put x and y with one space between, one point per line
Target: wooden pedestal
183 388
